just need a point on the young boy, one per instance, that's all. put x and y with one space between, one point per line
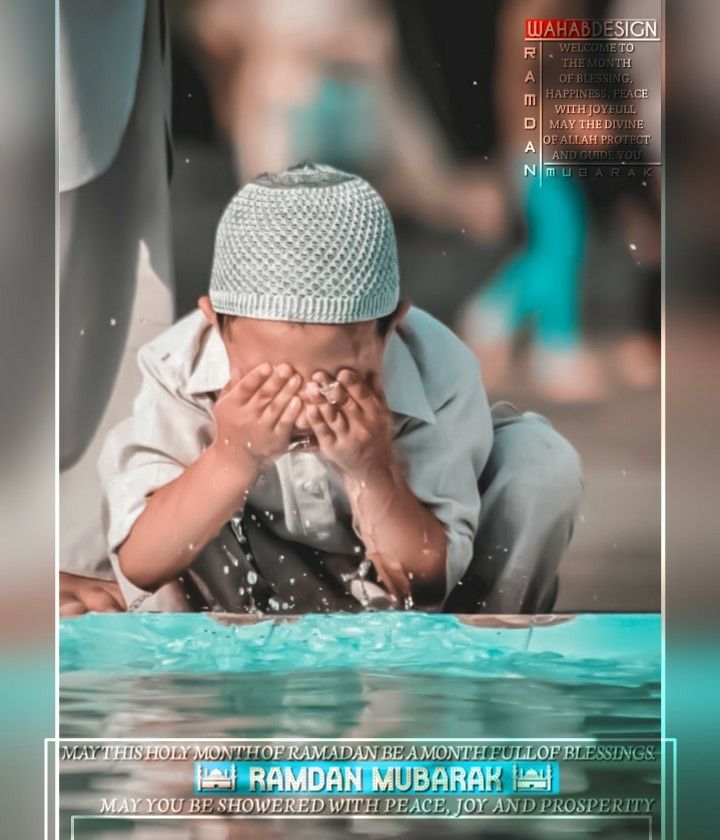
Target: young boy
306 441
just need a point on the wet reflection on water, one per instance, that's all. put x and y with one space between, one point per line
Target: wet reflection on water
344 704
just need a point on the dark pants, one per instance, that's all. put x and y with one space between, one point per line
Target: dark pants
530 491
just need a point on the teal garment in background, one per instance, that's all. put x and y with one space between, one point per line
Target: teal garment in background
540 286
339 125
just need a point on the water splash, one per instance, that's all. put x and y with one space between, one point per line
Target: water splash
609 649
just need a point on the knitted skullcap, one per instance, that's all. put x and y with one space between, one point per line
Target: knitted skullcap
310 244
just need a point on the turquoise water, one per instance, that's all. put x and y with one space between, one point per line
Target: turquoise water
623 647
320 675
379 675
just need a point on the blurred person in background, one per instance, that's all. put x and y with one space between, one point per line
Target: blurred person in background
114 252
540 286
322 80
637 354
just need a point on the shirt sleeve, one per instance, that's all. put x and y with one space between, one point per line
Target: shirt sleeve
164 435
444 461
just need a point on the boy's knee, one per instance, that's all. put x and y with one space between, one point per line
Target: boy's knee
543 465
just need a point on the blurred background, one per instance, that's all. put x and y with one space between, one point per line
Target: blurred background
439 154
558 290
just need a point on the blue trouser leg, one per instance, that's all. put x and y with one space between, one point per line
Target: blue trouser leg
542 283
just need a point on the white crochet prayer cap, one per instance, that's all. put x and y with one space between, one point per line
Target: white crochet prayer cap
310 244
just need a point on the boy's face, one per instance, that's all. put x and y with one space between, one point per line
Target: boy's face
308 348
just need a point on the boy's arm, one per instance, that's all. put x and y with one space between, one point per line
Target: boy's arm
404 539
254 418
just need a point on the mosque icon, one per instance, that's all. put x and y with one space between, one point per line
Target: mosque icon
532 779
215 778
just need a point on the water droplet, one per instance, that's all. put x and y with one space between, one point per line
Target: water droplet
113 322
274 604
252 577
292 581
633 246
187 160
226 569
82 331
241 590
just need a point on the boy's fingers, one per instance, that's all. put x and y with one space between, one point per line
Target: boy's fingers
279 403
360 397
313 395
394 579
249 384
387 581
354 384
334 418
100 599
320 428
290 414
70 605
328 389
113 589
272 386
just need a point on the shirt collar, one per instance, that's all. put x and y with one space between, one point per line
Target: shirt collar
403 383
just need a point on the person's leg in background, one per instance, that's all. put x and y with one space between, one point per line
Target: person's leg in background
540 287
115 295
530 490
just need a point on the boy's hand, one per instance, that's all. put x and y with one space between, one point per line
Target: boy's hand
255 415
80 594
351 421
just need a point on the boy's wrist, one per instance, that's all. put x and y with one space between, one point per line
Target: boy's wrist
238 466
381 478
